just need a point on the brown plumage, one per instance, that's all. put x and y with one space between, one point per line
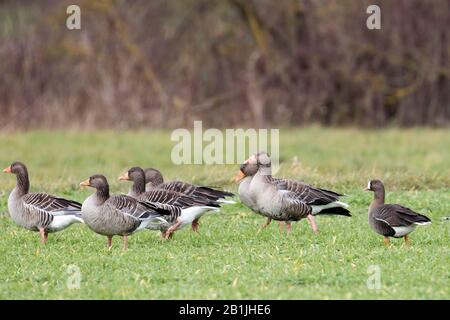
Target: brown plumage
391 220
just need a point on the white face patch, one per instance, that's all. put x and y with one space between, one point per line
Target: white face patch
368 185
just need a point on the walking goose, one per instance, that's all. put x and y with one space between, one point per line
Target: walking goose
285 199
155 180
121 215
39 211
193 207
391 220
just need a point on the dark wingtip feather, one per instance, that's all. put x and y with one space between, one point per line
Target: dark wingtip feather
335 211
420 218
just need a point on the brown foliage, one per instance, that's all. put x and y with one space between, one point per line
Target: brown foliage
231 62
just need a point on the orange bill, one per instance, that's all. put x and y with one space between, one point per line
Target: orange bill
124 176
85 183
7 170
239 176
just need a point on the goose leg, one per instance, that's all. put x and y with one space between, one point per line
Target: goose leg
163 234
44 235
109 242
312 223
288 228
172 229
195 225
386 241
281 226
125 242
407 243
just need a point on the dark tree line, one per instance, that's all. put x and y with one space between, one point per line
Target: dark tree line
165 63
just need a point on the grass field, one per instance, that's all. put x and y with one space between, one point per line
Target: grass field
227 259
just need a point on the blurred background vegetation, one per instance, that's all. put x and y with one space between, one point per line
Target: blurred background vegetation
164 63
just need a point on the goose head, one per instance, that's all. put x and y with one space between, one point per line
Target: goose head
17 168
374 186
250 166
97 181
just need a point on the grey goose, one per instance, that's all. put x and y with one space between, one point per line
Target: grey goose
155 180
121 215
391 220
285 199
39 211
192 207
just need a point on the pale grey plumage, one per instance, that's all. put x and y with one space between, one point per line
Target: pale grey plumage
155 180
117 214
184 209
39 211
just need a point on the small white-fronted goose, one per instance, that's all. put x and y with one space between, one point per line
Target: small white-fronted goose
284 199
120 215
155 180
391 220
39 211
192 207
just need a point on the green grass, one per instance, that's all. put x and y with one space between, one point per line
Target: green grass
228 260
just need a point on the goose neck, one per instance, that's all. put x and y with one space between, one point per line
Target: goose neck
23 183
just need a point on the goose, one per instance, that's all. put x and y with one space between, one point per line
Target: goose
121 215
39 211
284 199
192 207
155 180
391 220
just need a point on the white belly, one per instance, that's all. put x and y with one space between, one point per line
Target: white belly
62 222
402 231
188 215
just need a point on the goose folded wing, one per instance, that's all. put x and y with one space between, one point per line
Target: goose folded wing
293 205
306 192
196 191
396 215
173 198
43 202
132 208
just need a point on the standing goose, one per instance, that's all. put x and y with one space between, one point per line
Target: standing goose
286 200
192 207
155 180
117 214
391 220
39 211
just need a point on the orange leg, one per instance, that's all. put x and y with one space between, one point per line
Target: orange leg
195 225
407 242
281 226
125 242
386 241
172 229
109 242
163 234
312 223
288 228
44 235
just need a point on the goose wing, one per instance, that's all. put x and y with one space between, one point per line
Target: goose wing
193 190
396 215
47 204
134 209
293 206
174 198
307 193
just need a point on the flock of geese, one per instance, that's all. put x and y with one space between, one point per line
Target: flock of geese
169 206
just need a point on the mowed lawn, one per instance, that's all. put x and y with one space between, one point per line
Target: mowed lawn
228 259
